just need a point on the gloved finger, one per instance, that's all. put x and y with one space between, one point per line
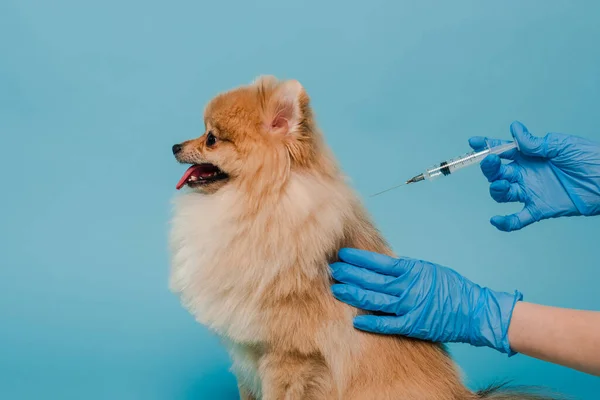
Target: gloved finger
510 172
370 280
479 143
389 325
376 262
490 166
505 192
493 169
528 144
361 277
514 222
367 299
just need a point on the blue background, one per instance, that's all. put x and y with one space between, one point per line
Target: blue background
92 96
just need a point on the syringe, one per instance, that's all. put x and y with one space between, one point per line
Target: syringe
454 164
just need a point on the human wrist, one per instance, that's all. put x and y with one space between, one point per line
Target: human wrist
491 319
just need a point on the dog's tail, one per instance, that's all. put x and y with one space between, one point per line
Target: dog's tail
503 391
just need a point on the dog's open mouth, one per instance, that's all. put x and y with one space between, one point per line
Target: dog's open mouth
201 174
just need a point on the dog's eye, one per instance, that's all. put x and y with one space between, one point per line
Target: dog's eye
210 139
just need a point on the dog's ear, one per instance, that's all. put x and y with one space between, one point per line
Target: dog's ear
283 112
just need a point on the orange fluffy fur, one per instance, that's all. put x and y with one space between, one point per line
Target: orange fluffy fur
250 258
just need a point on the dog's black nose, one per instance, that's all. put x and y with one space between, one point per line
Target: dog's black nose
176 148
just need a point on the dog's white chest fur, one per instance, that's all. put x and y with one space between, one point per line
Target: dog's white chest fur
225 256
209 267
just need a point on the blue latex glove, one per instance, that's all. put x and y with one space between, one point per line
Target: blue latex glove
422 300
554 176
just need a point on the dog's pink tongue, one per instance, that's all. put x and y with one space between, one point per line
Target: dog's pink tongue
186 175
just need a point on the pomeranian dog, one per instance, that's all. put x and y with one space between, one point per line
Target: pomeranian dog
266 213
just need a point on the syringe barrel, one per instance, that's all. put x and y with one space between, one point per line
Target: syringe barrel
450 166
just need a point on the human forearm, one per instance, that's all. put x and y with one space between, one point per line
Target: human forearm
562 336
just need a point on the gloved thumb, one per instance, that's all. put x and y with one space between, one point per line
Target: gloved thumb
514 222
529 145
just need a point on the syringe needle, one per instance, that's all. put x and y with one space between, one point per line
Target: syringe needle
414 179
387 190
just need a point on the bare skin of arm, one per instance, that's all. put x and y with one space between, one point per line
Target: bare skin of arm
562 336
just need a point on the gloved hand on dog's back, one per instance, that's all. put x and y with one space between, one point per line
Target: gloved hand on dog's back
422 300
554 176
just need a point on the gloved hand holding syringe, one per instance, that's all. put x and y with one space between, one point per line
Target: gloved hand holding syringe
448 167
552 176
